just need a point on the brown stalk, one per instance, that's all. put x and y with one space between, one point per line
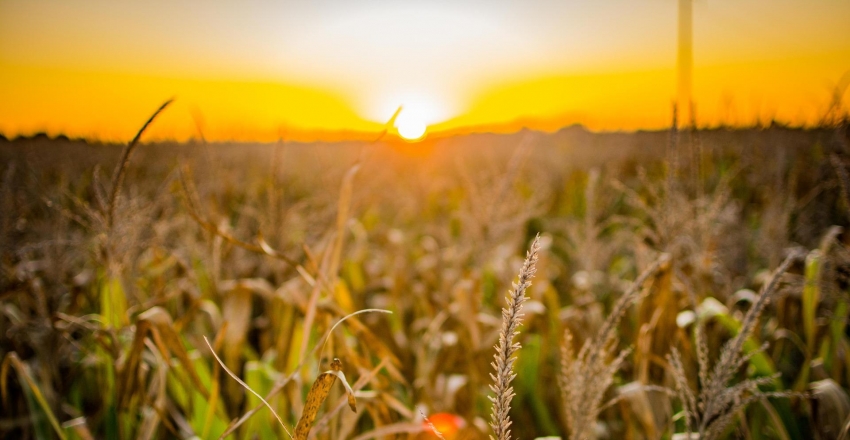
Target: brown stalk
121 168
504 358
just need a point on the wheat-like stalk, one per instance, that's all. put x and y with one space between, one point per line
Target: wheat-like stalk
504 358
718 403
585 377
121 167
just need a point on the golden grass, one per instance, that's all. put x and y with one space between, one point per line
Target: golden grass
273 258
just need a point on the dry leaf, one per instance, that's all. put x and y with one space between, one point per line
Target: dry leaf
317 395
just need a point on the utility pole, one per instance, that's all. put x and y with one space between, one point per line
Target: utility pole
685 62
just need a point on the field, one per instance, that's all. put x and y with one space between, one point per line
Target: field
658 305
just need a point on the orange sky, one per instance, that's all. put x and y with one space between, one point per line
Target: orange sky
329 68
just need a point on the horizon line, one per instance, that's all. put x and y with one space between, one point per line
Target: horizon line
506 129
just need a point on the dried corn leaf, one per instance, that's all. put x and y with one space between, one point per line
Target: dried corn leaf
364 379
649 404
317 395
154 323
830 407
128 377
395 428
79 427
236 312
174 343
12 359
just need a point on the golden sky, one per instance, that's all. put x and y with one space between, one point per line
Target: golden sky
259 70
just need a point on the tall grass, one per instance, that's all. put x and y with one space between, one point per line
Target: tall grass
265 259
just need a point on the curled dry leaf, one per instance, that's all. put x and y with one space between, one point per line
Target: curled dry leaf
317 395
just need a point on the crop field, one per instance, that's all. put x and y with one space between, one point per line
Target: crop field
582 285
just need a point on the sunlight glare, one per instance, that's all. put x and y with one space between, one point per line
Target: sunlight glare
410 125
419 110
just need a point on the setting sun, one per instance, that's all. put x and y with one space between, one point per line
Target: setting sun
410 126
414 111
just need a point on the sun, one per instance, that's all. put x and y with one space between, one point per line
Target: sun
410 126
409 113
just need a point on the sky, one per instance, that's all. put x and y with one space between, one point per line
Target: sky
262 70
